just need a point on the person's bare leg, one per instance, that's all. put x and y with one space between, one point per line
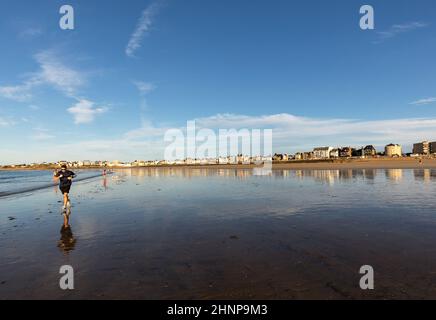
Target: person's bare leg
65 199
68 201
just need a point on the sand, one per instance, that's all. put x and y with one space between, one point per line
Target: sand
225 234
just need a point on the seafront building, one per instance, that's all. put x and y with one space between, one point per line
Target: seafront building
422 148
335 153
322 152
393 150
280 157
346 152
369 151
433 147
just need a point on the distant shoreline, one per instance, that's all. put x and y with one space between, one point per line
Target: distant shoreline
330 164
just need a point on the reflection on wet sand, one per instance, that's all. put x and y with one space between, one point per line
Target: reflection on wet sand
104 182
394 174
165 233
425 175
67 242
325 176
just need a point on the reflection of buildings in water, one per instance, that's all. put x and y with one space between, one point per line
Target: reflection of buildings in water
285 173
299 174
425 175
370 173
331 176
346 174
328 176
394 174
357 173
67 242
187 172
279 173
360 173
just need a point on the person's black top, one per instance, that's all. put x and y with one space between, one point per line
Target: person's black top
63 176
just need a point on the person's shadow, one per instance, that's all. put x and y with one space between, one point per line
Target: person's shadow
67 242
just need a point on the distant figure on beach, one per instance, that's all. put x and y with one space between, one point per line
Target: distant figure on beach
65 181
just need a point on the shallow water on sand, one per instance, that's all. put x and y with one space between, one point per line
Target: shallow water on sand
16 182
183 233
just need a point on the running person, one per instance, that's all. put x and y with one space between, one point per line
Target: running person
65 181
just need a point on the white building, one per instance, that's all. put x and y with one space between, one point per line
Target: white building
223 160
322 152
335 153
393 150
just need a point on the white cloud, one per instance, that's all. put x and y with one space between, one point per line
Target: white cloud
144 87
42 136
85 112
51 72
143 26
397 29
290 134
293 131
54 72
6 122
34 107
424 101
20 93
147 130
31 32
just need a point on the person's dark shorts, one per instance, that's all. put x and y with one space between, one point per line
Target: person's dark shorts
65 189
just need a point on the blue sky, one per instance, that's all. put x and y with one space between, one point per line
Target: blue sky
131 70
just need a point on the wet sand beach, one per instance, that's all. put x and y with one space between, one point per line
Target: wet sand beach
187 233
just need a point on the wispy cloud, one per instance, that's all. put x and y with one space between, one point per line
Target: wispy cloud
51 72
142 28
397 29
290 134
424 101
56 73
22 92
41 134
294 133
147 130
6 122
32 32
144 87
34 107
85 112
